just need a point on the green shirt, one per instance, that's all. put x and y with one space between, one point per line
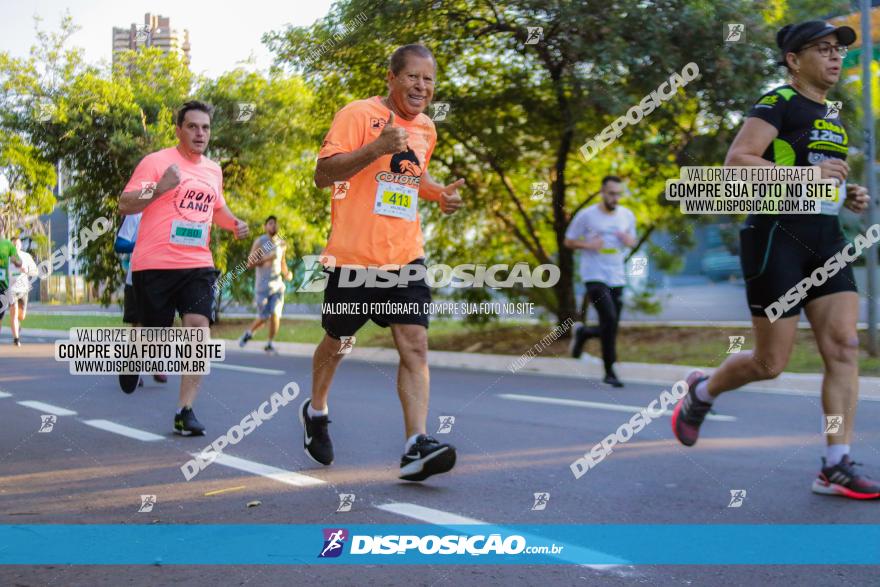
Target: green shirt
7 249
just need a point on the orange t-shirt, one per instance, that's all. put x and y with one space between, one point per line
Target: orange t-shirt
374 217
175 230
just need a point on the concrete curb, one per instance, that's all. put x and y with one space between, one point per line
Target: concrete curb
588 367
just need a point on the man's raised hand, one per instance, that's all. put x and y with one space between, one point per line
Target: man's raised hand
450 201
392 139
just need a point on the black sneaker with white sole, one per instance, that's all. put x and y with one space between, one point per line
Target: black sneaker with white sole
186 424
316 438
426 457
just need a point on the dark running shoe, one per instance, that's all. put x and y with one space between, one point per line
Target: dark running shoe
690 412
244 338
426 457
160 378
842 479
129 383
578 338
316 438
612 380
186 424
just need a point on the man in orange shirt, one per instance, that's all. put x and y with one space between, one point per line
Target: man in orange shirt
376 156
180 192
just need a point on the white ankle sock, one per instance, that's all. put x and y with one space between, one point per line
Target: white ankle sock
410 442
702 392
313 412
834 453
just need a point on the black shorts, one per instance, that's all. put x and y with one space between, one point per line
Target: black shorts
395 305
777 252
129 306
159 293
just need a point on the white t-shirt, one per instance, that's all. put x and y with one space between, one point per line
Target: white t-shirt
607 264
20 278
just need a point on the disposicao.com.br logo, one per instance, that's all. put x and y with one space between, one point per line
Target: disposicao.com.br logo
450 544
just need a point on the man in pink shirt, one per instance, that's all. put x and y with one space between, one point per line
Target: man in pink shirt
180 192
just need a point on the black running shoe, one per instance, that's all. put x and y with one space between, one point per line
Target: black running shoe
16 341
244 338
842 479
129 383
426 457
270 348
578 338
612 380
690 412
186 424
316 438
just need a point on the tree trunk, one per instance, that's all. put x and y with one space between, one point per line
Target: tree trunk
566 307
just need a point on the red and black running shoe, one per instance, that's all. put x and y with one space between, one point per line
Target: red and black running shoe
690 412
842 479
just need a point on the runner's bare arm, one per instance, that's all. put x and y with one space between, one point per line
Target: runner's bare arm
447 195
752 141
225 219
135 201
286 274
343 166
253 259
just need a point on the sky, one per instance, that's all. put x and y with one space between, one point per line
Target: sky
222 33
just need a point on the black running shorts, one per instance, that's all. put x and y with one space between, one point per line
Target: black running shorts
346 309
129 306
777 252
159 293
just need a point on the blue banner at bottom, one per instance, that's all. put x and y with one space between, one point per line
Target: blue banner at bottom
415 544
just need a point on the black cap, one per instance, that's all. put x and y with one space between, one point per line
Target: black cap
792 37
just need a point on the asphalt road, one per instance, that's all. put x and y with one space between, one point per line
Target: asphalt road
516 435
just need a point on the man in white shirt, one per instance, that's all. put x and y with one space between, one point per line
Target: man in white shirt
20 287
602 232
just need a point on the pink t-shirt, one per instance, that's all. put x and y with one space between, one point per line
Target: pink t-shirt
175 231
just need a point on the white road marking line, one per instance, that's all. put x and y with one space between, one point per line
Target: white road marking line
268 471
432 516
441 518
47 408
4 394
246 369
595 405
123 430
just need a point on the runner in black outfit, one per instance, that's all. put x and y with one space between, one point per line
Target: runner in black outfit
795 125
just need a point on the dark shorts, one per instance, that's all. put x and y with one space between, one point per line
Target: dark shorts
4 301
777 252
159 293
129 306
407 305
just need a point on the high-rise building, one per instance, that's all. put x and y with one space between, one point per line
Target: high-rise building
155 32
